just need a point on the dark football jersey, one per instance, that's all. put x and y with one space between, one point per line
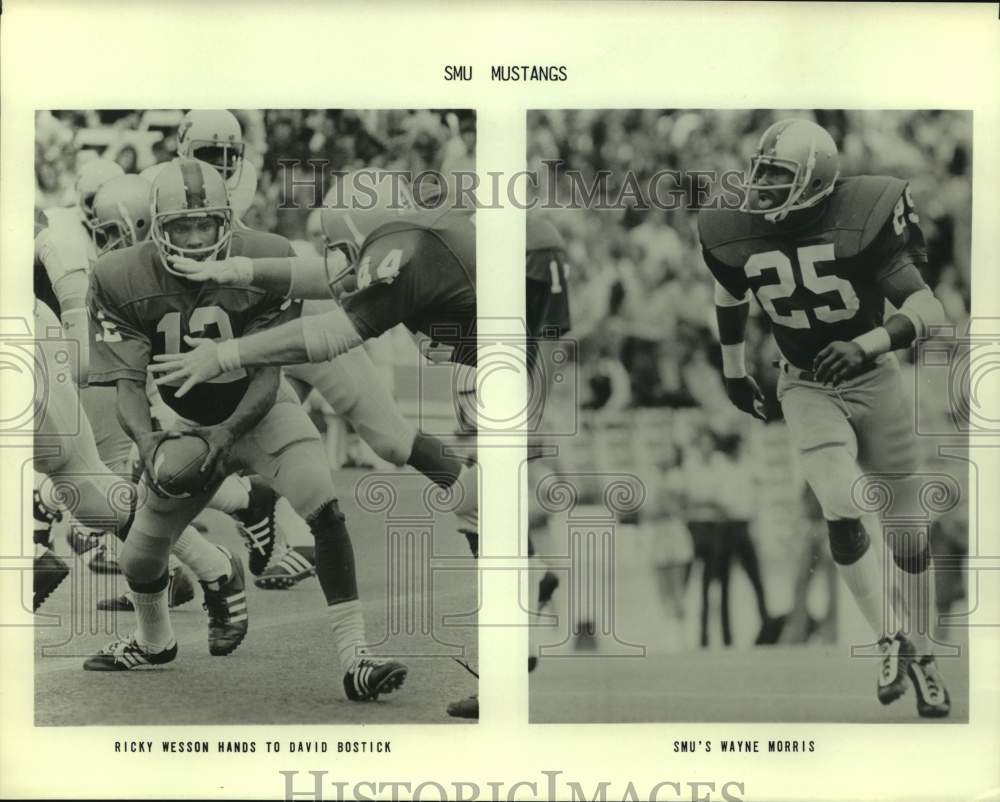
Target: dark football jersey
420 270
818 283
546 292
139 310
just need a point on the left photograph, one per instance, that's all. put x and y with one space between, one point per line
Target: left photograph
254 479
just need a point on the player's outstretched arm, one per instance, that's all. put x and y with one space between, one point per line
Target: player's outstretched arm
299 277
136 420
731 314
315 338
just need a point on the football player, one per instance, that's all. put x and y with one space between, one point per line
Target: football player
388 264
144 307
822 254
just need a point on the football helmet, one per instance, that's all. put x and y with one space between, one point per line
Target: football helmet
807 153
359 203
121 213
188 188
215 137
90 177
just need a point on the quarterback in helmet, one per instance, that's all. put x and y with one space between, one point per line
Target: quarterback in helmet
822 254
248 417
387 263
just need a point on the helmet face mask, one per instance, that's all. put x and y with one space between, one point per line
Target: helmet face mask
214 137
121 213
226 157
795 167
192 191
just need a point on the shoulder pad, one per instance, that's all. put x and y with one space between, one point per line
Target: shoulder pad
729 234
863 204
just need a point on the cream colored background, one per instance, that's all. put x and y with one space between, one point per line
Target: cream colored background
618 54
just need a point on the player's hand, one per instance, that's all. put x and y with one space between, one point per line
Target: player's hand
147 444
838 362
746 395
234 270
220 440
190 368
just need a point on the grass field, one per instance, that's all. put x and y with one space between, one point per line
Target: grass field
286 670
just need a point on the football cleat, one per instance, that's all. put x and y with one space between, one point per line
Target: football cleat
933 700
102 563
897 655
228 620
179 591
295 565
465 708
127 655
258 526
48 573
81 539
369 677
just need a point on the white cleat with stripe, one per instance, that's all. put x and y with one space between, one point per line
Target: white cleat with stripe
127 655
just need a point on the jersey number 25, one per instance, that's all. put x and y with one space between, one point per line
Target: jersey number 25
808 256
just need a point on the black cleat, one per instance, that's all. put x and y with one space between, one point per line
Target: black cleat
933 700
127 655
370 677
48 573
897 655
465 708
258 526
228 620
102 563
179 591
295 565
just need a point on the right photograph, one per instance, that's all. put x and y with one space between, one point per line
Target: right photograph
750 403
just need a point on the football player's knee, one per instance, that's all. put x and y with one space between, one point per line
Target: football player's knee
910 550
849 540
308 486
392 446
831 473
143 557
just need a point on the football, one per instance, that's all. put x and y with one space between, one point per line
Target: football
177 463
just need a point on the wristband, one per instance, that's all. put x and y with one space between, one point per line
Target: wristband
874 342
734 365
228 354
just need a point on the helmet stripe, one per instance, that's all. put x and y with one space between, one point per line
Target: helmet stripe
194 184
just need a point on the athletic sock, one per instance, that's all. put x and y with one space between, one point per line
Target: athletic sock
915 590
334 554
154 631
205 559
232 496
861 568
428 457
348 626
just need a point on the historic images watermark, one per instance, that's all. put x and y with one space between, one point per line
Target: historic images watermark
314 183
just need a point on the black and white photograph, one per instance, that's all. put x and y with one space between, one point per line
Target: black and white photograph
234 491
760 511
